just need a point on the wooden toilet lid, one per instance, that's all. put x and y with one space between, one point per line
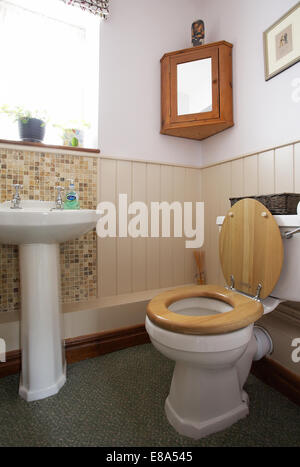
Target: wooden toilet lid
251 248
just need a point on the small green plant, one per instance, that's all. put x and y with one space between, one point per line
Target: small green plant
19 113
72 132
73 124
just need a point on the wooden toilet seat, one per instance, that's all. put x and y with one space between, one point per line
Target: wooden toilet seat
251 255
245 311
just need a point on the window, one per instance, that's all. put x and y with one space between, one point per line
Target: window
49 55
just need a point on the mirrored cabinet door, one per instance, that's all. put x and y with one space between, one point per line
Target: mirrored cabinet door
196 92
194 86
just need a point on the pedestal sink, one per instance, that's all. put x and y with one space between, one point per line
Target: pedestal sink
38 230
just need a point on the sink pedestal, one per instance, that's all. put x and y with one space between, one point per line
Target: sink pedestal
43 356
38 228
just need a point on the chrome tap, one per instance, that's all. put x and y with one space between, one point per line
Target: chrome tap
15 202
59 204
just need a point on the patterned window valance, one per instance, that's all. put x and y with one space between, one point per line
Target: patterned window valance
97 7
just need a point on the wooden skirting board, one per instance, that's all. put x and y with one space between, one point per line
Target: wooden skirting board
94 345
278 377
84 347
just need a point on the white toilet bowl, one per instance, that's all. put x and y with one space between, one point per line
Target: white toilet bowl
209 330
206 393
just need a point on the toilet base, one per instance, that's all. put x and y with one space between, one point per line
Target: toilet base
206 393
208 427
204 399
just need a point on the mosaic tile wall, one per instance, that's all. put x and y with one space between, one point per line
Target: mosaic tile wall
40 173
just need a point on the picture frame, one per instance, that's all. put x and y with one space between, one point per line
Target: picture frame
282 43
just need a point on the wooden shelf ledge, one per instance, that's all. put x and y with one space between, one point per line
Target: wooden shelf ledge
51 147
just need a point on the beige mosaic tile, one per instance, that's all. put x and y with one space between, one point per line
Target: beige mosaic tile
39 173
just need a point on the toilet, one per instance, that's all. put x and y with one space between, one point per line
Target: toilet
209 331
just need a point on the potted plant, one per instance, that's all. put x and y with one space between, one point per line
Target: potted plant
72 133
31 123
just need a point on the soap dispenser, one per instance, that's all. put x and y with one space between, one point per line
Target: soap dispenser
72 198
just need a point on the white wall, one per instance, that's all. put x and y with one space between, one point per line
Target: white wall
264 112
132 43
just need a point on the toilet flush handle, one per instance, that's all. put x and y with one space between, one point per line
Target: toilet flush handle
291 233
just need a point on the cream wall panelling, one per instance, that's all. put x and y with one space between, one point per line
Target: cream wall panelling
107 253
297 167
284 170
124 250
237 178
128 265
153 244
139 250
266 173
250 168
242 156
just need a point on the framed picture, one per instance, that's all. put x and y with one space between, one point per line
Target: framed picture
282 43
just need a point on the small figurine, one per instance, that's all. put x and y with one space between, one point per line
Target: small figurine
198 32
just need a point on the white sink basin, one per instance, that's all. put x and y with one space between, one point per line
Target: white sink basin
38 230
37 223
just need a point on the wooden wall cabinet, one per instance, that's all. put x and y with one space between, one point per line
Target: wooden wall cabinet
196 91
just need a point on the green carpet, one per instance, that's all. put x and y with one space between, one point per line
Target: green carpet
118 400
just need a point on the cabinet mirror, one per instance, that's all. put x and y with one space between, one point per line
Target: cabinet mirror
194 87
